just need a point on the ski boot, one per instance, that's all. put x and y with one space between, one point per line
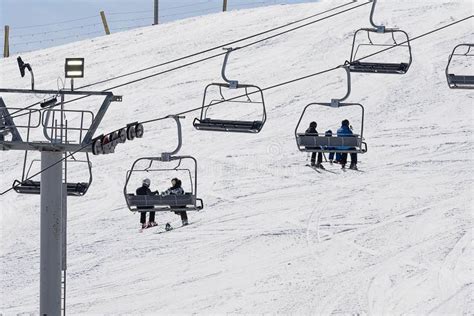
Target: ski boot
168 227
320 166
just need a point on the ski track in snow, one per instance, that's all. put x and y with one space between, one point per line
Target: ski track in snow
275 236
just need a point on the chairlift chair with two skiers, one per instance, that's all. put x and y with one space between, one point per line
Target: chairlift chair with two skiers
161 165
250 96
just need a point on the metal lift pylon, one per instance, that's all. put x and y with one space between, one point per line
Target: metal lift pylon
53 190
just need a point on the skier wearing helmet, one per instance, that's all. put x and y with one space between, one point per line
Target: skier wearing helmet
145 190
176 189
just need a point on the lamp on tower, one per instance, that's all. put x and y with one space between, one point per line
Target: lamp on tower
74 68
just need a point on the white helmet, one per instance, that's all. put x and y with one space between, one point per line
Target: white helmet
146 182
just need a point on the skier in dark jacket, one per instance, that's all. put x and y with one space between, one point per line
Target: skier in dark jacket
145 190
176 189
346 131
311 131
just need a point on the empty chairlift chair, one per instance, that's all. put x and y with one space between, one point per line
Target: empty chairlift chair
51 132
364 39
167 165
460 81
29 186
251 96
327 144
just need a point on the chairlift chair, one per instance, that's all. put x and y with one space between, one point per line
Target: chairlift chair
252 95
332 144
456 81
145 203
174 203
51 132
28 186
357 64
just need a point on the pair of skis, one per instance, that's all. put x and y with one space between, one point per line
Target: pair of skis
320 170
168 227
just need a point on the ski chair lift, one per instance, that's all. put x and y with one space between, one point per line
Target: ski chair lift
332 144
28 186
358 65
174 203
252 97
459 81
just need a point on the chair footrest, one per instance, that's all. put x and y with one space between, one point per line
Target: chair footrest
387 68
34 187
226 125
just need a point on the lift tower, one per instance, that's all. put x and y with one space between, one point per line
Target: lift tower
56 132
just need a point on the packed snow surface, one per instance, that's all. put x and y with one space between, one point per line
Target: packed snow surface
274 236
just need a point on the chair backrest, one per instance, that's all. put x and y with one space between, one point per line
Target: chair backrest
325 141
158 200
229 126
461 79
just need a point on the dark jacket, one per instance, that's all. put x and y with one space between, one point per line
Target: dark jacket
311 131
144 190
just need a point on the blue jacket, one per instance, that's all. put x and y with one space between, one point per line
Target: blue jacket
344 131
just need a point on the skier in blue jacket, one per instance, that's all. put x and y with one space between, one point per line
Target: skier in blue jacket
345 131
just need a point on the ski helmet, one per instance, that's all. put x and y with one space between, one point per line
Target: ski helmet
313 124
146 182
345 123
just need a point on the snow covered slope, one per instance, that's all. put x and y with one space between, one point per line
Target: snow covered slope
274 237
